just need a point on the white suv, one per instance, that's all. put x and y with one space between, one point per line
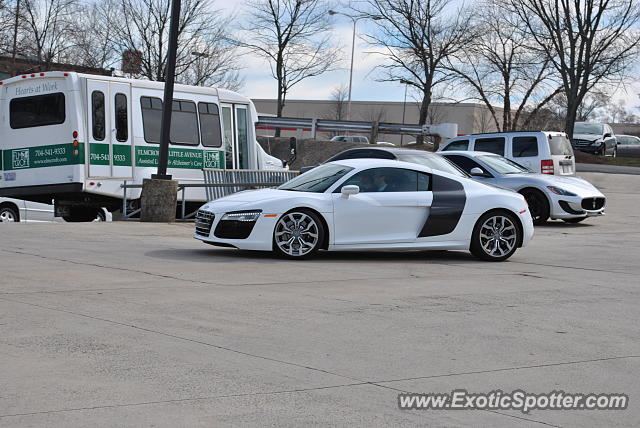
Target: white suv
540 151
351 139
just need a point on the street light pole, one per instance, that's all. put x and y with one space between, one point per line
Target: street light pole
353 49
355 20
406 84
169 81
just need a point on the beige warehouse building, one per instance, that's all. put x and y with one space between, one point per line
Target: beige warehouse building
470 117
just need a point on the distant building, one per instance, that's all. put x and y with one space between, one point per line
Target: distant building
21 65
470 117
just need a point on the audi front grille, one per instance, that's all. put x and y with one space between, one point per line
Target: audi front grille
204 220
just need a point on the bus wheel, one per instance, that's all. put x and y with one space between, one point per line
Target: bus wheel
78 215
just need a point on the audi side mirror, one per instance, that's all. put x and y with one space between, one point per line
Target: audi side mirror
349 190
607 135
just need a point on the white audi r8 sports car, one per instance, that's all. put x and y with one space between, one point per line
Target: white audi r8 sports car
371 204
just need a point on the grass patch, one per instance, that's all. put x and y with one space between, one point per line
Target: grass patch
582 157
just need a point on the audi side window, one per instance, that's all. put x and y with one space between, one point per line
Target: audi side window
378 180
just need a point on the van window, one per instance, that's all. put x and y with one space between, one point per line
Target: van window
151 118
121 115
40 110
457 145
184 121
97 115
525 147
210 132
560 145
491 145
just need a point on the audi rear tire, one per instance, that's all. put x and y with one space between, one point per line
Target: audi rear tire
496 236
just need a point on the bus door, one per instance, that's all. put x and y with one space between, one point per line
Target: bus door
235 120
109 129
121 138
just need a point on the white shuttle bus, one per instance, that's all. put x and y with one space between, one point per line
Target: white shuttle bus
75 138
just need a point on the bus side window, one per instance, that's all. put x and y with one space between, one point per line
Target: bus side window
184 123
98 115
210 132
122 122
151 118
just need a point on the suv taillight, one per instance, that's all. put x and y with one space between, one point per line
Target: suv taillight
546 166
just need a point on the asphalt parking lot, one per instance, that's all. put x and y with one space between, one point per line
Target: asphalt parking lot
130 324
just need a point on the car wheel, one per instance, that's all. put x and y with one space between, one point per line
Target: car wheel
9 214
495 236
298 234
574 220
615 152
538 205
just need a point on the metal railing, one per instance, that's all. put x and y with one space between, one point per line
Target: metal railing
442 130
223 182
217 183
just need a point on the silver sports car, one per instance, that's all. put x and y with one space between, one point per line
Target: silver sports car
571 199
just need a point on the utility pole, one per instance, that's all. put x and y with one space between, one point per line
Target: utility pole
160 193
169 81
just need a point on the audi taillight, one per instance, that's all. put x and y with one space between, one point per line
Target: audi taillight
546 166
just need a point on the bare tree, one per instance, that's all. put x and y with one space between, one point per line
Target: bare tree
294 37
339 96
501 67
47 28
94 35
416 37
143 26
7 12
375 115
588 42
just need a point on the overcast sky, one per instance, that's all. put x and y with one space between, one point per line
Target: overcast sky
260 84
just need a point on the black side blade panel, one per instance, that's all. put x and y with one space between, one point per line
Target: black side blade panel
448 203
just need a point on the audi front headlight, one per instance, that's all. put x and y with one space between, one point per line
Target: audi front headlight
559 191
248 216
